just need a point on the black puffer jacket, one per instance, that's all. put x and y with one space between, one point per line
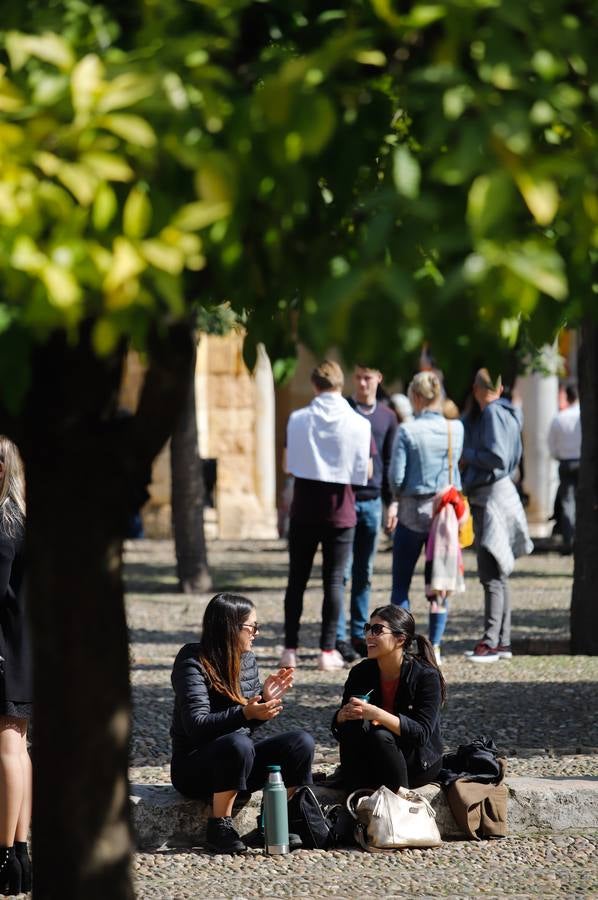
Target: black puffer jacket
202 714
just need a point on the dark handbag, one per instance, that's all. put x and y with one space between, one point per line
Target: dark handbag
319 825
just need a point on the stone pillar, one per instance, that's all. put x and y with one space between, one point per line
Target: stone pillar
539 394
265 432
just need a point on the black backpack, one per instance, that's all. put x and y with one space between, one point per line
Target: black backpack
320 825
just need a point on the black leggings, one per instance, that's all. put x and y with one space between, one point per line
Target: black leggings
337 544
235 762
371 756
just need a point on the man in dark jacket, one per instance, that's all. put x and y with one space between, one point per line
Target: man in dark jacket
491 454
368 509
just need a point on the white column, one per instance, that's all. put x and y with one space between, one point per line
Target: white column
265 433
539 394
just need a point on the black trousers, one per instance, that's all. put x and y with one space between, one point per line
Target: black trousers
235 762
337 544
372 756
568 476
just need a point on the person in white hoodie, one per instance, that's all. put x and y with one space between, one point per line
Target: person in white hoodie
328 450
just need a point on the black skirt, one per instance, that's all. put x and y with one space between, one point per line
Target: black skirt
12 708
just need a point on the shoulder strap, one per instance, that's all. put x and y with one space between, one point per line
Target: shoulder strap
450 452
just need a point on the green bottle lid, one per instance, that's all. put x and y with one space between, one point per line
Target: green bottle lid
273 768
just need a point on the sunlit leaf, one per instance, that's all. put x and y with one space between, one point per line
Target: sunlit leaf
104 207
163 256
126 264
26 255
125 90
79 180
131 128
194 216
108 166
406 172
540 195
49 47
86 82
137 213
61 285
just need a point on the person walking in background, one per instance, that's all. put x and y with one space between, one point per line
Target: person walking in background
369 511
328 450
219 703
16 687
564 443
490 458
419 470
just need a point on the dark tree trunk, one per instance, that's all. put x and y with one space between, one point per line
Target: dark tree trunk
187 498
584 609
86 470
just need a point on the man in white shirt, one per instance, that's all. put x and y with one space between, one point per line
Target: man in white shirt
564 443
328 451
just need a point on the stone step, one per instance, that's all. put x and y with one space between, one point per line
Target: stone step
162 817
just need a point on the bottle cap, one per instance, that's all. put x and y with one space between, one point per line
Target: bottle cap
273 768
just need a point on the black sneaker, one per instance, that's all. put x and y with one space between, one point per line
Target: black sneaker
223 837
346 651
360 646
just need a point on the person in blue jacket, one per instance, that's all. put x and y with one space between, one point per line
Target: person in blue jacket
419 469
219 704
491 455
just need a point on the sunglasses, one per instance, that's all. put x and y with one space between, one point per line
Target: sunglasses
376 629
252 628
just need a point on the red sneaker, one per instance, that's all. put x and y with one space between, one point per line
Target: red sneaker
483 654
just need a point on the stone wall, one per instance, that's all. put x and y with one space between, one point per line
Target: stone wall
226 409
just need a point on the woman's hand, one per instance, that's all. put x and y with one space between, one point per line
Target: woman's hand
278 684
255 709
357 709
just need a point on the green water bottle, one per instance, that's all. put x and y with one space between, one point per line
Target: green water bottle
276 817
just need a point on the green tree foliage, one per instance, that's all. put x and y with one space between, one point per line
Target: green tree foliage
436 162
485 213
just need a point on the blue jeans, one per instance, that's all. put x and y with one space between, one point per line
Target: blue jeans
360 566
406 548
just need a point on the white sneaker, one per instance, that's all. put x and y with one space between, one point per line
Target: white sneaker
330 660
437 654
288 660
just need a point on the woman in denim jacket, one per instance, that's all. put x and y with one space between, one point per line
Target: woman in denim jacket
419 469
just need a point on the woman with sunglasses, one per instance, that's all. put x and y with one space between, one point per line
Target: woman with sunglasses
388 726
218 705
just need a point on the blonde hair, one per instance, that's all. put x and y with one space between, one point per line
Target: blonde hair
328 376
12 489
426 386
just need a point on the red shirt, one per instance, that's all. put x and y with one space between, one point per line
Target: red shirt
389 690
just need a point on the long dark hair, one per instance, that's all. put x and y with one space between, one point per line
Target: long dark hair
220 650
400 621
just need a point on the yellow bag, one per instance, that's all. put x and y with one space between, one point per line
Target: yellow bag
466 535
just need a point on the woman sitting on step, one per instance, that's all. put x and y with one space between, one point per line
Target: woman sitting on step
388 726
218 705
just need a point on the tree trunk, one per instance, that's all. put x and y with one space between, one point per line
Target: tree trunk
187 498
86 470
584 609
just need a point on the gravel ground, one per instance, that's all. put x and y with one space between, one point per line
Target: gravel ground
539 709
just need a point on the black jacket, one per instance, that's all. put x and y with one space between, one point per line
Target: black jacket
417 704
202 714
15 641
